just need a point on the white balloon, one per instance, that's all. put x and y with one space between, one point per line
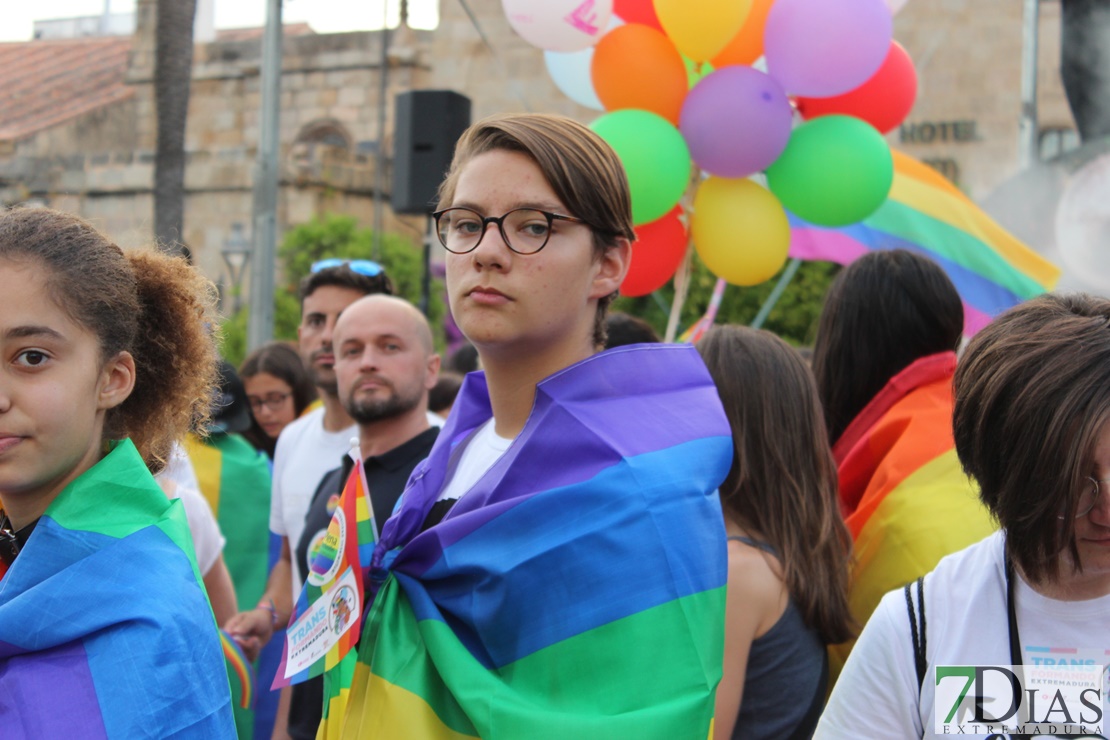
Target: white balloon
559 25
1083 224
570 71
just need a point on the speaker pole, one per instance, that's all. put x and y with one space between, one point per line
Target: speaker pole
426 279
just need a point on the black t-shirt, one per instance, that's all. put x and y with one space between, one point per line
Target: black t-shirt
386 475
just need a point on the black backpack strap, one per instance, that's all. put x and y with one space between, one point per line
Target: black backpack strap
917 629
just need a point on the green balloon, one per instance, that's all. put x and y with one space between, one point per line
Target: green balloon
835 171
654 156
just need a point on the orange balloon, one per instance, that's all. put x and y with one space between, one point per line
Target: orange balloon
747 45
635 66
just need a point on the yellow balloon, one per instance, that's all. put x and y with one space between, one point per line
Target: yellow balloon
740 230
701 28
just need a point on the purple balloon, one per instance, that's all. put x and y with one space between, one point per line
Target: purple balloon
736 122
822 48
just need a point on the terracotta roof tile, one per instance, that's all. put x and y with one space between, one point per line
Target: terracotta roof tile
44 83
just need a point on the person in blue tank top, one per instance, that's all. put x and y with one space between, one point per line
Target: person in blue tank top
788 549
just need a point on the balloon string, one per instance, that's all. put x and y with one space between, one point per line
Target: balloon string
681 288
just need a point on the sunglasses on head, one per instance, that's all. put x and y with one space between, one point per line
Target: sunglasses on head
362 267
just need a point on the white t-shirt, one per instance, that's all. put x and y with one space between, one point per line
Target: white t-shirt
966 624
304 453
208 540
481 451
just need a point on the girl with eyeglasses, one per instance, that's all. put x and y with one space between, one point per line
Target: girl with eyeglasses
279 390
556 567
1032 428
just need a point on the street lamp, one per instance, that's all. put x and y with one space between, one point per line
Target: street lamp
236 254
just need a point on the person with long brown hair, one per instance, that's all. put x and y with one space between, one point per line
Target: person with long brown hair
788 548
884 358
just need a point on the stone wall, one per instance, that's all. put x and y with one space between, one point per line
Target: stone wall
966 120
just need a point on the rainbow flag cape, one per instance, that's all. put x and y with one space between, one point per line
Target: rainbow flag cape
105 628
906 500
577 590
327 617
927 214
235 479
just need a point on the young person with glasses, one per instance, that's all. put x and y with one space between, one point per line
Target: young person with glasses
1032 428
279 390
556 567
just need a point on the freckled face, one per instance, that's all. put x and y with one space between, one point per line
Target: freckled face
507 301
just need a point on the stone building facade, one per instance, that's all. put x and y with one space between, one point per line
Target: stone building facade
99 162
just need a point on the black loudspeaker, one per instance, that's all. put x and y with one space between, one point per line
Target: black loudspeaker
427 125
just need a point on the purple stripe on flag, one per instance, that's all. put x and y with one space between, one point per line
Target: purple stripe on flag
568 409
58 677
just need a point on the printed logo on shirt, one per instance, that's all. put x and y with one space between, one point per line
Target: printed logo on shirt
325 561
1058 699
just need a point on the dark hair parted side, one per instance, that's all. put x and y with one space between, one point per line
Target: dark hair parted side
342 276
154 306
282 361
883 312
783 483
583 170
1032 397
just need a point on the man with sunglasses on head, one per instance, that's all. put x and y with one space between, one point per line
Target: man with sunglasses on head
308 447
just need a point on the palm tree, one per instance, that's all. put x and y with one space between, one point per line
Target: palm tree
173 68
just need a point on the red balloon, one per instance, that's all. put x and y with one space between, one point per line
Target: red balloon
656 254
637 11
884 101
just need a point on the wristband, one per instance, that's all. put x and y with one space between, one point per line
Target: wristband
269 607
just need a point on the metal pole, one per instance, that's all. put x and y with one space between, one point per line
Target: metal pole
260 328
379 162
1028 153
776 293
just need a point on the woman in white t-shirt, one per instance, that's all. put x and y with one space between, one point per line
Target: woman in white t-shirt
1032 427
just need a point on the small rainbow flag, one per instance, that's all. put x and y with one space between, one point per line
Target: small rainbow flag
927 214
327 617
240 667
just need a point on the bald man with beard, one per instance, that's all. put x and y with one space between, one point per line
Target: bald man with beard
385 365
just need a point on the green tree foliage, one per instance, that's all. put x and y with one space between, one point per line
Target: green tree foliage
334 236
794 317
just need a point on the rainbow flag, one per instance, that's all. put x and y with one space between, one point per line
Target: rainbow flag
327 617
927 214
235 479
240 667
105 628
906 500
577 590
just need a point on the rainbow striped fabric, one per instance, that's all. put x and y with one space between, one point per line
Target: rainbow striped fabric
234 477
240 668
577 590
927 214
906 500
105 628
326 619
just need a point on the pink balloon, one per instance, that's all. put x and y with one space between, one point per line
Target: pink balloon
736 121
559 25
821 48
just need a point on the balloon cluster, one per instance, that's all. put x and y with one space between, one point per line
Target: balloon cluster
723 84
